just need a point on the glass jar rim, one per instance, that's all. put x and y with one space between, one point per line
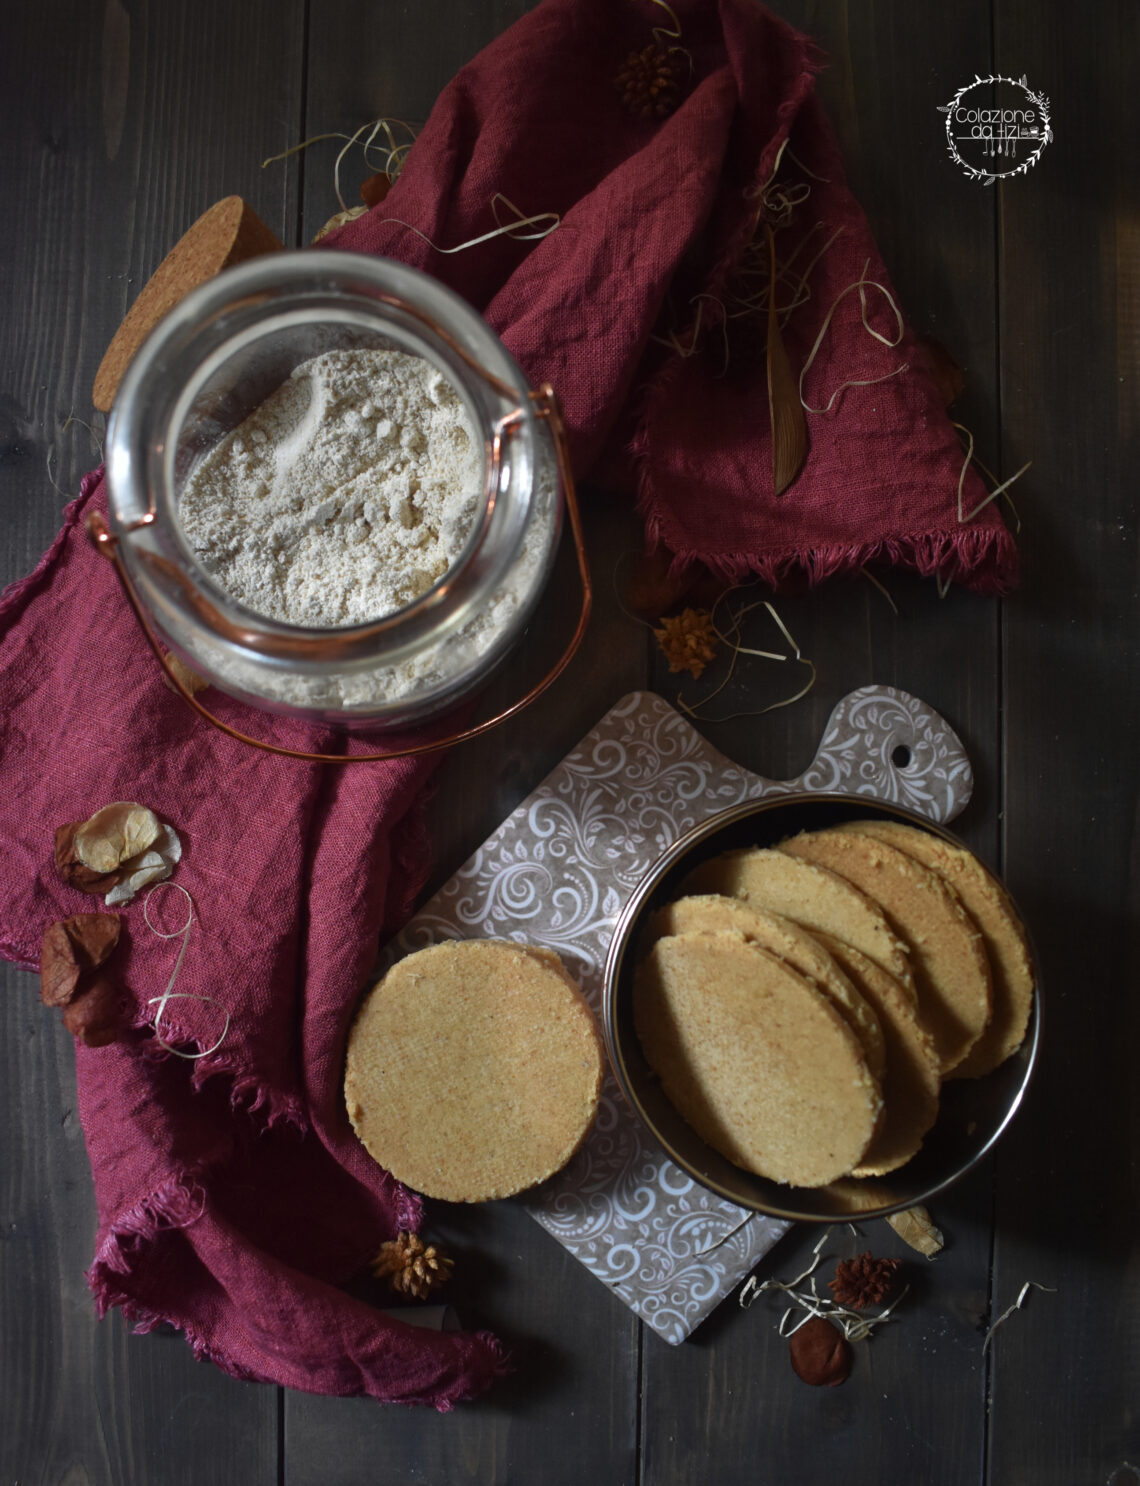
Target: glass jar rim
152 396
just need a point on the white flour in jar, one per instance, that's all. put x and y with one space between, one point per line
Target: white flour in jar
344 496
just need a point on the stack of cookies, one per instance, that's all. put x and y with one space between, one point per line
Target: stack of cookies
802 1004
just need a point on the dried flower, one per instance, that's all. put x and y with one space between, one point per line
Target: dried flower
120 850
863 1281
71 949
819 1354
410 1266
650 82
688 641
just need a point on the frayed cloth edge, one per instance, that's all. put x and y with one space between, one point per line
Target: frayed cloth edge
178 1203
986 560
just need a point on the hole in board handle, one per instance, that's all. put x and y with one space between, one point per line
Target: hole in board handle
901 756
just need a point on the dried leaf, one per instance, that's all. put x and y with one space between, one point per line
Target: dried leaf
785 410
71 949
189 679
93 1016
339 219
72 870
819 1354
115 834
914 1226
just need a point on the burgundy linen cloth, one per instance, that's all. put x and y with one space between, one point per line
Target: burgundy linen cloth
233 1198
657 222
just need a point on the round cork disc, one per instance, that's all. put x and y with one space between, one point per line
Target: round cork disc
230 232
474 1069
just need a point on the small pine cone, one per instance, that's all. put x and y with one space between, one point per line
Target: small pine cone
863 1281
649 82
410 1266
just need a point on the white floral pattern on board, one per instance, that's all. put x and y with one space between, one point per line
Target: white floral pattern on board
559 871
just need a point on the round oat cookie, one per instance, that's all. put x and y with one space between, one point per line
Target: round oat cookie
912 1082
710 912
474 1069
952 973
810 896
1007 946
755 1057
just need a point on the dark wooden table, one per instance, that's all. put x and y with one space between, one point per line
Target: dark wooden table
123 121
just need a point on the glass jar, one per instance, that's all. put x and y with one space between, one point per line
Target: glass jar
209 364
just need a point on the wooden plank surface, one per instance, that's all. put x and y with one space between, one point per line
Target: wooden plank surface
123 122
1070 400
731 1395
567 1340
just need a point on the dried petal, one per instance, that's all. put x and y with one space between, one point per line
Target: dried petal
59 967
72 870
115 834
374 189
914 1226
93 1016
820 1354
72 948
150 866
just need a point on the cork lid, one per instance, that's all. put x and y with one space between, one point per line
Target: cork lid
229 232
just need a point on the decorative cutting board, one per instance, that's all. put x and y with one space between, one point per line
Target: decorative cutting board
558 872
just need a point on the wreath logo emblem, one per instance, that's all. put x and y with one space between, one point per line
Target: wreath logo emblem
996 126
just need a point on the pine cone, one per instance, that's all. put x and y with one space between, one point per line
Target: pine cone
650 82
863 1281
410 1266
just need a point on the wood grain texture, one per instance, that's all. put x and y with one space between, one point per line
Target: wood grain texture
1067 1193
123 120
122 123
568 1412
732 1395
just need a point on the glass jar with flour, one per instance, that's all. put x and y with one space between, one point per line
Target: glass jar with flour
332 492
